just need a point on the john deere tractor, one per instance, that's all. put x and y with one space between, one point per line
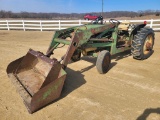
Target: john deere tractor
39 77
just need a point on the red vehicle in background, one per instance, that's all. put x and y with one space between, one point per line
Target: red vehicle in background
90 17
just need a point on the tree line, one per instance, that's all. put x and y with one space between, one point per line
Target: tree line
112 14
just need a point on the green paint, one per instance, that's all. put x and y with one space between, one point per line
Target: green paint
62 72
46 94
66 42
108 44
53 88
95 55
113 45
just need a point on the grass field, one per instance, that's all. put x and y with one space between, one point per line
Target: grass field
129 91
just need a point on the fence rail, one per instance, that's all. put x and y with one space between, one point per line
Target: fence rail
43 25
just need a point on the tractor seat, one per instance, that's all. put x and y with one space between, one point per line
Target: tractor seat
124 25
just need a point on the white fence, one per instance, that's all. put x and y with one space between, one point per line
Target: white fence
59 24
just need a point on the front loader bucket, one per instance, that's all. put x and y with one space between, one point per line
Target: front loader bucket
38 79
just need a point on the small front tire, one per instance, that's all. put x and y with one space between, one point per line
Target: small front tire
103 61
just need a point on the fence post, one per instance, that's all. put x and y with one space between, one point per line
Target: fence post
7 25
23 25
80 22
151 24
59 24
41 25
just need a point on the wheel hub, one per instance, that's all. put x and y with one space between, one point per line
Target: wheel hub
148 44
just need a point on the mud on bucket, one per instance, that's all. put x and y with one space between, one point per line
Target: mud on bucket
38 79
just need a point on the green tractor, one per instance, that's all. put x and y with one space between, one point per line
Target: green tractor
40 78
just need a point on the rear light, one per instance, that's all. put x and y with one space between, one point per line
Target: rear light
145 22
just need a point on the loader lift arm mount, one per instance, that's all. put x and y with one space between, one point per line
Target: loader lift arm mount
79 38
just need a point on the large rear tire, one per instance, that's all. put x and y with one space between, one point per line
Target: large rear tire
142 45
103 61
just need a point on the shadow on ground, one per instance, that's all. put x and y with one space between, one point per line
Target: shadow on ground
122 55
74 80
147 112
117 57
93 61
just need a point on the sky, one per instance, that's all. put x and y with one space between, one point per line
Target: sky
78 6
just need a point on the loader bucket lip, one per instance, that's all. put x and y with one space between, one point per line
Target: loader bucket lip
49 91
19 88
42 56
13 64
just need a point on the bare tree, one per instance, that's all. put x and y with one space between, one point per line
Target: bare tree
112 14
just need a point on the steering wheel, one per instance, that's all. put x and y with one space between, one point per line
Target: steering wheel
113 21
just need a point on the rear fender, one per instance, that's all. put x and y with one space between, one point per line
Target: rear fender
137 28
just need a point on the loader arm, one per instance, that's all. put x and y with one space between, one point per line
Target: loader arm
81 37
40 79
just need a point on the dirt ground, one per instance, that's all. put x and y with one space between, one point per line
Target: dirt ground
129 91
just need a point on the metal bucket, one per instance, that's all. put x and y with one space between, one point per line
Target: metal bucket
38 79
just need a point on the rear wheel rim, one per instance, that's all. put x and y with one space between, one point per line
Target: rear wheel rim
148 44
